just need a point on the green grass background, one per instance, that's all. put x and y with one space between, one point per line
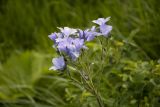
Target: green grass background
26 24
26 51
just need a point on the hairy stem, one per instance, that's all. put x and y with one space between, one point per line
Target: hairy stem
93 89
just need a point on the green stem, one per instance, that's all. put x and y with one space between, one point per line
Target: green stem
99 100
89 83
94 90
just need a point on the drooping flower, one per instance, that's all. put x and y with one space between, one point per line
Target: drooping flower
58 63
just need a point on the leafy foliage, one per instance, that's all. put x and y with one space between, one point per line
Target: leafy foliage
124 81
123 69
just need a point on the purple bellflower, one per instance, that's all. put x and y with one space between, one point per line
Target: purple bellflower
55 36
105 30
75 48
71 46
70 41
67 31
88 34
63 45
58 64
101 21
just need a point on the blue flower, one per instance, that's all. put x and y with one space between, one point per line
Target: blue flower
75 48
58 64
88 34
101 21
79 43
71 47
81 34
70 41
64 44
53 36
105 29
67 31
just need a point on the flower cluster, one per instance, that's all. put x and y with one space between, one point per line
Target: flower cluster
70 41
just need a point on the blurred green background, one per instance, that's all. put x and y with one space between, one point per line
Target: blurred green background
26 51
25 25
